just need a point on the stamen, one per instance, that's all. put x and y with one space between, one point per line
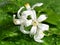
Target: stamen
35 23
27 5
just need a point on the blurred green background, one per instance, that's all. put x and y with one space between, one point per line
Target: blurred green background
10 33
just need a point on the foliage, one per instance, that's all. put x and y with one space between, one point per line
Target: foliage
10 34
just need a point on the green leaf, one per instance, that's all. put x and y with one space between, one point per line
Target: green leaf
58 40
6 43
54 31
10 34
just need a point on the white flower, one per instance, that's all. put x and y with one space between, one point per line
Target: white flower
22 18
37 27
20 21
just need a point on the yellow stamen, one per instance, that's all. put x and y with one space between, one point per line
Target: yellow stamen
35 23
27 5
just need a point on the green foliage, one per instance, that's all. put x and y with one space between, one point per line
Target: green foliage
10 34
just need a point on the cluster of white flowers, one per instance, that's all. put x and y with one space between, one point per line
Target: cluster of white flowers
37 27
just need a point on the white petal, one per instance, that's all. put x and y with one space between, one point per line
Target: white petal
14 16
42 18
39 36
23 30
38 40
37 4
28 22
33 30
17 21
43 27
26 13
18 13
33 15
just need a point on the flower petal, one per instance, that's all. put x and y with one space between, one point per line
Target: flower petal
28 22
39 36
37 4
18 13
26 13
43 27
17 21
42 18
33 15
23 30
33 30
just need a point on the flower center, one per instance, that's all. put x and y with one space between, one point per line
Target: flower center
35 23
